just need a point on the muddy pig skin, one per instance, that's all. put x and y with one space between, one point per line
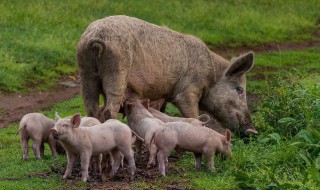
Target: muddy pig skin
36 126
199 140
120 54
111 136
165 118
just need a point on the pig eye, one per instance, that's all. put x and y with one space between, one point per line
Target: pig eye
65 125
239 90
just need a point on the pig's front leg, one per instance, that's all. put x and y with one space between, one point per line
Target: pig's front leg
197 157
210 160
71 158
85 161
53 145
187 102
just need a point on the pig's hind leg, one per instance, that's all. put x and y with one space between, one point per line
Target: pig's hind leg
114 86
24 142
116 161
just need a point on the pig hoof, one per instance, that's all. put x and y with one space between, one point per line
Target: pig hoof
84 179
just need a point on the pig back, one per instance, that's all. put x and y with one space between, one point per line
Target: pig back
154 58
192 138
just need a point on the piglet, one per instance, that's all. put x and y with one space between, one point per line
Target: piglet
36 126
199 140
111 136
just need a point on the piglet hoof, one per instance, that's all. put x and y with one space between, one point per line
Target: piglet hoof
84 179
103 178
25 159
213 170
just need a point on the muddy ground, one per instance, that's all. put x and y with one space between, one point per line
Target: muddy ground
14 106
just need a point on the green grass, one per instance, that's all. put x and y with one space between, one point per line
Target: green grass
38 39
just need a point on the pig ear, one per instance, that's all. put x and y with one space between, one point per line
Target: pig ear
145 103
75 120
228 136
240 65
57 117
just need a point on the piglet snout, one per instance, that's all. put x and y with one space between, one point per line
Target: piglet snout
53 131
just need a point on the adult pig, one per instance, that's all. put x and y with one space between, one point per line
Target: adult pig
117 54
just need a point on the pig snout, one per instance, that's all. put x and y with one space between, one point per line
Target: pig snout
54 132
247 125
251 131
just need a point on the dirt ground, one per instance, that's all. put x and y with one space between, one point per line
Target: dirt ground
14 106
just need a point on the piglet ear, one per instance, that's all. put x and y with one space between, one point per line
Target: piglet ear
228 136
75 120
145 103
57 117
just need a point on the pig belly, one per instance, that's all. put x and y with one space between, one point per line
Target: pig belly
190 142
152 88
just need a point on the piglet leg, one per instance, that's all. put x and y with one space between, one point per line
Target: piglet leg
71 158
85 161
24 142
116 161
210 160
53 145
197 157
36 148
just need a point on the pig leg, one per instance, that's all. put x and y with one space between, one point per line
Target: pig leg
71 158
128 154
90 92
36 148
85 161
152 156
197 157
24 142
42 150
138 145
97 161
53 145
188 104
210 160
116 161
162 161
114 86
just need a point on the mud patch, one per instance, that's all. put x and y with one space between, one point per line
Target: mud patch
14 106
228 51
